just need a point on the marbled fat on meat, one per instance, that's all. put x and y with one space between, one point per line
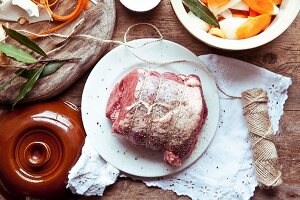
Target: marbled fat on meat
163 112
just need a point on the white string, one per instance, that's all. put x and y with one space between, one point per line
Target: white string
125 42
71 35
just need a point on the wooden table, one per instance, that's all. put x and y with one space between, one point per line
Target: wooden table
280 56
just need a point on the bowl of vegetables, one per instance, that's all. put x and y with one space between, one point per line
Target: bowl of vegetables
236 24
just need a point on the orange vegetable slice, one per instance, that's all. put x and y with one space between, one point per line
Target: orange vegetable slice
276 2
66 17
81 4
253 26
261 6
239 15
252 13
220 19
37 3
203 1
53 3
42 2
217 32
216 3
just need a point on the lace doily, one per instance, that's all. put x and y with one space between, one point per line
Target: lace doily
225 170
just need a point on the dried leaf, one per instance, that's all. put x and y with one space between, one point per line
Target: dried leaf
18 54
27 87
202 12
24 40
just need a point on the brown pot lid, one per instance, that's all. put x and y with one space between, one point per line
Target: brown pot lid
39 145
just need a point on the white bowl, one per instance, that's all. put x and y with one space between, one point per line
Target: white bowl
140 5
289 10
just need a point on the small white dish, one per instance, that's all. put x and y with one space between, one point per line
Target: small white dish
109 70
140 5
289 10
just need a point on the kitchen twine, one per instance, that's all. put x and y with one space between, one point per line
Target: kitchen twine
255 106
262 137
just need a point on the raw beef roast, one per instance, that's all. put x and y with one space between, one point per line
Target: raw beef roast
163 112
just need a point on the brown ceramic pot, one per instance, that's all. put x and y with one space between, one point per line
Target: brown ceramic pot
38 146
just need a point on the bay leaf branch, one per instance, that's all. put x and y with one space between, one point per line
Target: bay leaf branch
24 40
27 87
48 70
16 53
202 12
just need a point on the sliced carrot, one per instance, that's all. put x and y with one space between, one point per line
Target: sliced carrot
53 3
261 6
277 2
240 15
203 1
38 2
81 3
217 32
66 17
253 26
220 19
86 4
242 12
217 3
252 13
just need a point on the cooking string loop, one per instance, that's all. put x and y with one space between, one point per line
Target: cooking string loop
72 34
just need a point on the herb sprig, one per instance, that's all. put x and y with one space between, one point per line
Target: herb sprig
37 70
202 12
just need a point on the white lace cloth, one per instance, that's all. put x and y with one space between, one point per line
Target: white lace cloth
225 171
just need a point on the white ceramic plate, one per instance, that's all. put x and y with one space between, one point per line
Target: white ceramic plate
110 69
140 6
289 10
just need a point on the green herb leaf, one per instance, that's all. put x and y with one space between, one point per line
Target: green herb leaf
8 82
18 54
49 69
24 40
26 73
27 87
202 12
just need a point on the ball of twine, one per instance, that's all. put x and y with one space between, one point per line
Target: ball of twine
262 137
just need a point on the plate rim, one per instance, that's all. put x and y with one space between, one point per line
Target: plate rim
145 40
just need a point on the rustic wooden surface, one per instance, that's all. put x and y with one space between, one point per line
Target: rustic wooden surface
98 17
280 56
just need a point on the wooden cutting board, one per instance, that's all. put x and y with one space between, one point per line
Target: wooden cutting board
99 21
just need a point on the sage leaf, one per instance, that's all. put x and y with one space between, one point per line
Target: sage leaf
27 87
24 40
18 54
49 69
8 82
202 12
